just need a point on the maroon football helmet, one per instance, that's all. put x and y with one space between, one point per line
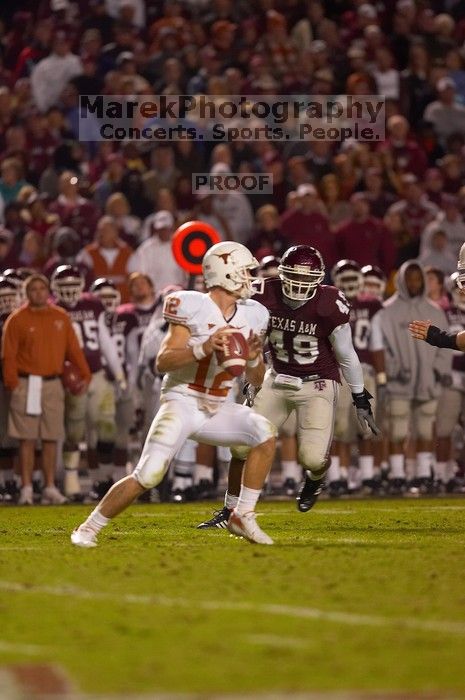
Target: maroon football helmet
9 295
106 291
268 266
14 275
374 281
301 271
67 284
347 276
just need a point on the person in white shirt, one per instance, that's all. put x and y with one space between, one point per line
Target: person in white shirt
154 257
51 75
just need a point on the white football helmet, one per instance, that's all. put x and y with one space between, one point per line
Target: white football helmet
228 265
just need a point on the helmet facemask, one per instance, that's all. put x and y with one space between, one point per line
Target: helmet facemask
299 282
68 292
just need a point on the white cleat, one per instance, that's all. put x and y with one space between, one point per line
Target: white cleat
84 537
26 497
246 526
52 497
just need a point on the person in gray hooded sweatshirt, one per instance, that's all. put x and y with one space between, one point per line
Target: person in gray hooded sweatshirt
414 371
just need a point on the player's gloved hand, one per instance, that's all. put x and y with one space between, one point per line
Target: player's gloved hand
250 391
365 417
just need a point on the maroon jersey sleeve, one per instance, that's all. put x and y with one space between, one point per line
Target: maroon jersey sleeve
122 324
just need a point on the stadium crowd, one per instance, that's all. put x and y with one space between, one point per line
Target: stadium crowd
109 209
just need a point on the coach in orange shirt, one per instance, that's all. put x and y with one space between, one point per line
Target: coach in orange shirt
37 338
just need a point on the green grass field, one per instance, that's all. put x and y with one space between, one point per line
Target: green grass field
356 595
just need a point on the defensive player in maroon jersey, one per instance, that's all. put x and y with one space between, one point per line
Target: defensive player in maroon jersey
309 339
348 277
9 301
95 409
123 326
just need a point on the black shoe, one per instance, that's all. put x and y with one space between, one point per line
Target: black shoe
289 488
99 489
308 494
397 487
220 520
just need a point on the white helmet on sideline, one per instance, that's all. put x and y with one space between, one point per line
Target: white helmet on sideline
228 265
461 268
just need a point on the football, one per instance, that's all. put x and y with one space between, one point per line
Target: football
72 378
235 355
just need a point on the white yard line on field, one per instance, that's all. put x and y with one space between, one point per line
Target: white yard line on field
275 641
290 611
27 649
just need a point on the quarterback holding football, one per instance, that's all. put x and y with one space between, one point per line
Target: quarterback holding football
203 336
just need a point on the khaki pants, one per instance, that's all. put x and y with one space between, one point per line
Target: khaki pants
47 426
405 415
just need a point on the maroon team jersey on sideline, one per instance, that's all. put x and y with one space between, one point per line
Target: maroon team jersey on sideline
298 338
84 317
143 315
120 325
456 321
361 314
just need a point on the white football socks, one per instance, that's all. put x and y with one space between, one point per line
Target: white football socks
247 500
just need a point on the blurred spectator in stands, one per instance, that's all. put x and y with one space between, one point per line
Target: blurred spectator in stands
172 81
117 206
406 154
99 19
51 74
449 220
108 256
11 179
338 209
35 51
33 251
416 209
451 168
73 210
267 238
308 226
434 185
210 65
436 253
66 158
203 211
416 92
234 207
189 157
435 287
385 74
41 145
39 219
8 253
163 171
66 245
14 221
154 257
363 238
110 180
133 188
124 38
446 115
377 194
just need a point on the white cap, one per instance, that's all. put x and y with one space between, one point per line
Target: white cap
220 169
163 219
303 190
444 83
367 11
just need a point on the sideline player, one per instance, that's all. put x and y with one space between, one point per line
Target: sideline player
194 390
309 338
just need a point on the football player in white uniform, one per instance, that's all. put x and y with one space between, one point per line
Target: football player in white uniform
195 387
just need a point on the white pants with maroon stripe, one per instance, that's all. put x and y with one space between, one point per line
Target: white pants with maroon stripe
189 417
315 407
